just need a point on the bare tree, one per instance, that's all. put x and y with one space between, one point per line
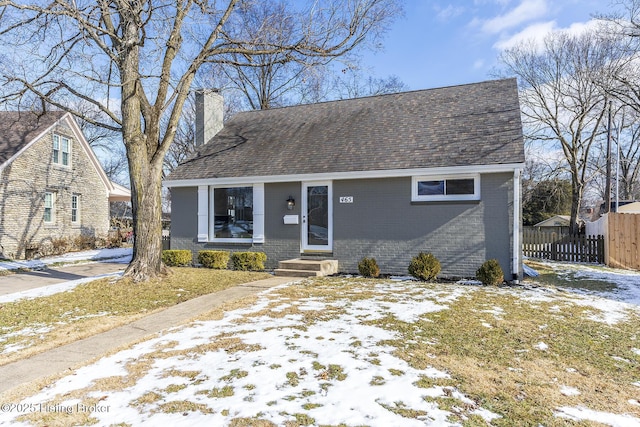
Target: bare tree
562 98
354 82
135 62
625 23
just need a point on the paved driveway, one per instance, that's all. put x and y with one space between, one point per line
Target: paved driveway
24 281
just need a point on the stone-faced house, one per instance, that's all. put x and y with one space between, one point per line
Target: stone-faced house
384 176
51 183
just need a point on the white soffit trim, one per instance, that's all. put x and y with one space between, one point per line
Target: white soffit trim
390 173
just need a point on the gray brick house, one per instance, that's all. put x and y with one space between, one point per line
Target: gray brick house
51 183
385 176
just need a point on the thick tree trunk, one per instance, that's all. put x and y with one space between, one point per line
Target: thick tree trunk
147 220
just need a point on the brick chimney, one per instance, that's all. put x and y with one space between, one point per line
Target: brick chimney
209 114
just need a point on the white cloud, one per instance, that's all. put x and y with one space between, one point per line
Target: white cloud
535 32
449 12
527 10
538 31
478 64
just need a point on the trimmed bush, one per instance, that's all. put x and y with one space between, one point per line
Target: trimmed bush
84 241
218 260
490 273
368 267
177 257
425 266
248 261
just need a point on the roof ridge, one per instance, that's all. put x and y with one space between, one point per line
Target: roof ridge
380 95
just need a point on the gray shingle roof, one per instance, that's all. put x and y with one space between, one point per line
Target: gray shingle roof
17 129
475 124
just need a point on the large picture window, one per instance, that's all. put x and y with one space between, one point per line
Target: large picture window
232 213
443 188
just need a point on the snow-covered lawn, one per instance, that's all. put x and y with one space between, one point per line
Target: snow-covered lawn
350 352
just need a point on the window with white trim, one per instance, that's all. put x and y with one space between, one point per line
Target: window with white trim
49 207
445 188
75 209
61 150
232 213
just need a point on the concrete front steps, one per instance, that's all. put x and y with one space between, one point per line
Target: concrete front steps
306 268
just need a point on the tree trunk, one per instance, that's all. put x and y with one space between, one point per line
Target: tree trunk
576 200
146 205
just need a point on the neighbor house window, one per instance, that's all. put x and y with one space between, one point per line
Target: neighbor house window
232 209
75 209
49 207
61 150
443 188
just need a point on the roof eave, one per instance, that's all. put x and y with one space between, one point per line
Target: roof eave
390 173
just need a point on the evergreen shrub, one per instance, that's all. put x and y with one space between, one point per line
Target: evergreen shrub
177 257
368 267
248 261
424 266
490 273
218 260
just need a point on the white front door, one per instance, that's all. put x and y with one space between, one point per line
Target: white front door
317 216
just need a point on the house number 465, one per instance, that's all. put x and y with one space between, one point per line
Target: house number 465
346 199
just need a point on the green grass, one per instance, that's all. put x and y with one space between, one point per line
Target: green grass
103 304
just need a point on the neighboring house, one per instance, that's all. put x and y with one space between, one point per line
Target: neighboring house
626 207
51 184
557 223
385 176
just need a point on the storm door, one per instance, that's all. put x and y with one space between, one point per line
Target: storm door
317 217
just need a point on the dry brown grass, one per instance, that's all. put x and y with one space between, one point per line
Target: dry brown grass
102 305
487 340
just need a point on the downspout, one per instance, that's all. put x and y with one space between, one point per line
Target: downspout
517 250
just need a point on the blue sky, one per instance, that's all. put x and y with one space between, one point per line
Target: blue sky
442 43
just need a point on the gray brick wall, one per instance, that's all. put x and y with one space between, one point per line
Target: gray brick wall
22 187
383 223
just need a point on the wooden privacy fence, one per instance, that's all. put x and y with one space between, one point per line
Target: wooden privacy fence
562 247
623 240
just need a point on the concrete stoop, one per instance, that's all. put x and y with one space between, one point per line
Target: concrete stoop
306 268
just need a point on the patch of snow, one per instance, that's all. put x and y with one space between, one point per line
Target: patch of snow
569 391
487 415
636 351
52 289
280 347
120 255
497 312
625 283
541 346
620 359
606 418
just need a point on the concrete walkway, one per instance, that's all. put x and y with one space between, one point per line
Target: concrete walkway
78 353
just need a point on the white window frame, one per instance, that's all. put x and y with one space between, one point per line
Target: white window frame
52 207
59 152
75 198
212 217
415 197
